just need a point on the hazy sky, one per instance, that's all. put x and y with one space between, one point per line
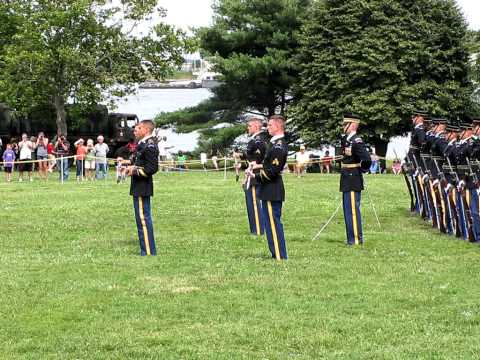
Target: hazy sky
185 13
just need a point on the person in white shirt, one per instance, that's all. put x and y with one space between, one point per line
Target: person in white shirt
215 162
101 150
302 158
203 160
25 148
163 153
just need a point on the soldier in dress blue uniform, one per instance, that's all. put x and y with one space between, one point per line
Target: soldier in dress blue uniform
416 142
254 155
356 160
437 150
468 187
272 191
144 166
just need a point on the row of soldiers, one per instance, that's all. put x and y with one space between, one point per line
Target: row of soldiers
441 171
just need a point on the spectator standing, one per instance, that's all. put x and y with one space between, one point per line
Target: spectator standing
8 162
215 161
203 160
375 166
237 158
101 151
33 140
42 155
181 159
81 151
62 149
25 148
90 160
326 161
302 158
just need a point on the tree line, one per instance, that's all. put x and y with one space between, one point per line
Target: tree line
307 59
53 52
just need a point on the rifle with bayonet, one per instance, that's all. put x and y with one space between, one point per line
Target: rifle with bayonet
409 185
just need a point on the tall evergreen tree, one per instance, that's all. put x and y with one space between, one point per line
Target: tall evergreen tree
251 43
381 58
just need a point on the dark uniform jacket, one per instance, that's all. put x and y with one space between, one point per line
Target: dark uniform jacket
464 151
439 145
146 164
450 165
256 149
356 160
416 142
426 157
270 176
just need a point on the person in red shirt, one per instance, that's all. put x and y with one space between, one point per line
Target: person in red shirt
51 156
326 162
81 151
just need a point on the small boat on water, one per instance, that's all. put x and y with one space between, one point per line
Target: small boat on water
183 84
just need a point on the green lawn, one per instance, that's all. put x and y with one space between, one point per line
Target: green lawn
72 285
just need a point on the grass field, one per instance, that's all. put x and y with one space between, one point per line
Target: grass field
72 285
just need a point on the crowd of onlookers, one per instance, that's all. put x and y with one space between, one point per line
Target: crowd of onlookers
44 155
41 154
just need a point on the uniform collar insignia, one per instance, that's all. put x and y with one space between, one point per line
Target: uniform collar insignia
144 140
256 134
276 137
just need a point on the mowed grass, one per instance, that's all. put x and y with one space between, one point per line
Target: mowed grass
72 285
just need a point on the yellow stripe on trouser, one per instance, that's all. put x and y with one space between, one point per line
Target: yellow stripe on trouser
274 231
354 217
442 204
255 209
144 225
434 200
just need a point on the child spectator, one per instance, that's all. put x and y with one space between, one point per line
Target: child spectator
237 158
396 167
51 156
8 161
121 169
326 162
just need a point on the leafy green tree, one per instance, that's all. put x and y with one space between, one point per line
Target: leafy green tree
82 50
218 141
202 116
381 59
251 43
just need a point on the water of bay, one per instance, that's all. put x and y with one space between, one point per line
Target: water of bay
148 103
